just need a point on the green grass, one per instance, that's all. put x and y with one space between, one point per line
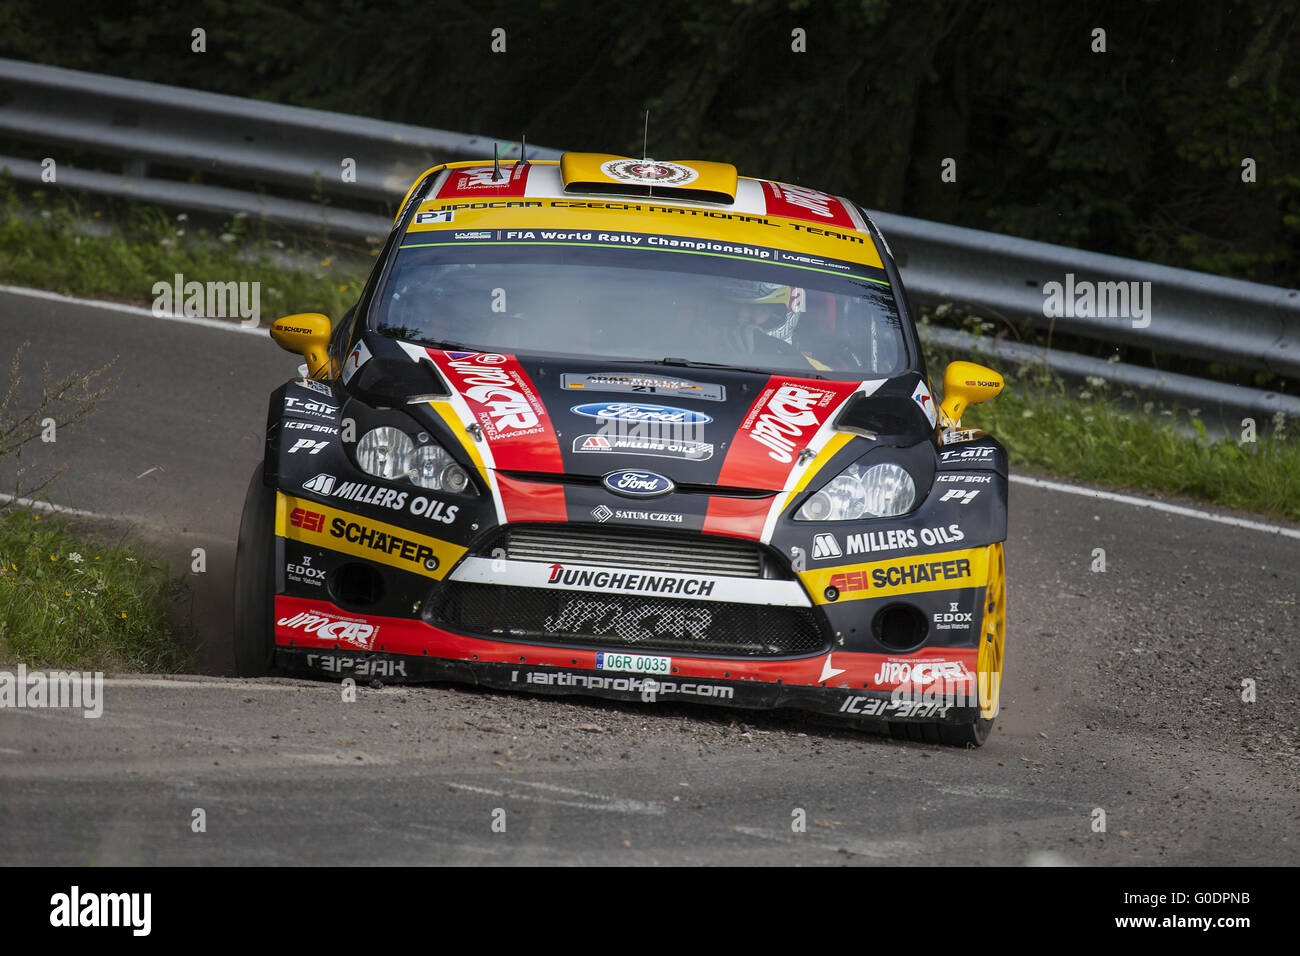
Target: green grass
86 247
68 602
1094 440
1089 434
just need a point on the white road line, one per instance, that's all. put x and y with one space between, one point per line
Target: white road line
48 508
130 309
609 804
1157 506
238 684
232 684
876 850
619 804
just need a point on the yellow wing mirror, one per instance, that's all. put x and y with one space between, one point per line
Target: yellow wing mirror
965 383
307 334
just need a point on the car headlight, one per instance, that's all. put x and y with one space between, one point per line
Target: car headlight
880 491
433 468
385 452
388 452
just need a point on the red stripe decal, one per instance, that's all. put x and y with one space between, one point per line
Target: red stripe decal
305 623
474 181
505 405
531 500
797 202
779 425
737 517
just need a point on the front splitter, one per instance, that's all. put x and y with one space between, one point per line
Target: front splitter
873 709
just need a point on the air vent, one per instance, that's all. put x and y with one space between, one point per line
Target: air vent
681 553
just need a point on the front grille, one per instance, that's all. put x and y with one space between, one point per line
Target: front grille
636 622
624 548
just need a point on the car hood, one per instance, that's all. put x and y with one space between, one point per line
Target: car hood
718 427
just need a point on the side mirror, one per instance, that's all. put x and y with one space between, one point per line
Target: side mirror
308 335
965 383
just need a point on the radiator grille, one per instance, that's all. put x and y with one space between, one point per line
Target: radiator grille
656 551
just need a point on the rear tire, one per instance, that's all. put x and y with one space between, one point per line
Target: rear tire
254 637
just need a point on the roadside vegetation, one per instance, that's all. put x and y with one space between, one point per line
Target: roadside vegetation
86 246
1090 433
69 601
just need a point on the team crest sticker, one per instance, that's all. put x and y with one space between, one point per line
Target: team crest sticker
649 172
923 398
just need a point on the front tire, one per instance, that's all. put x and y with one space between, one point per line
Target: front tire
993 642
254 637
993 638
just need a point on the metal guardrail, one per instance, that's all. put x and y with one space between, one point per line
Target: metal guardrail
151 129
1192 314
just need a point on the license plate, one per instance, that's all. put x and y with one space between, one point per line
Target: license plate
638 663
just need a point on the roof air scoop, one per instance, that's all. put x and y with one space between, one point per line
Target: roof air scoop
621 176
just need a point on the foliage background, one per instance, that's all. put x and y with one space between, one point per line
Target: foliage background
1135 152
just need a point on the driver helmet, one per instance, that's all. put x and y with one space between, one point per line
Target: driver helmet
772 306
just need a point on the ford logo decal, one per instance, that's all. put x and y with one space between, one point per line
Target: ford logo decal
637 484
633 412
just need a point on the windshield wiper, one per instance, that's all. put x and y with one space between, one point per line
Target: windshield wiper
691 363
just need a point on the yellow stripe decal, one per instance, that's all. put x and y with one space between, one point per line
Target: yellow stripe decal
829 451
518 217
448 414
312 523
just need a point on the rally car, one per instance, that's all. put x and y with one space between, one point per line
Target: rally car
637 429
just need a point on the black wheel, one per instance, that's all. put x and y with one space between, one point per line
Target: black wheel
254 638
966 735
950 735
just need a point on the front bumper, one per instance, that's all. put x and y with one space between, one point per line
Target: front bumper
938 685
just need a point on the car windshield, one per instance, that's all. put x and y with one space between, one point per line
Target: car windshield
642 305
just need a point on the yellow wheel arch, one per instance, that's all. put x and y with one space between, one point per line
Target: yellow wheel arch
993 634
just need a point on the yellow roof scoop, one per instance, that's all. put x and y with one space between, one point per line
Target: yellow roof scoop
619 175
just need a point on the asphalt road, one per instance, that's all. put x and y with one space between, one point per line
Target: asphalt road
1122 694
